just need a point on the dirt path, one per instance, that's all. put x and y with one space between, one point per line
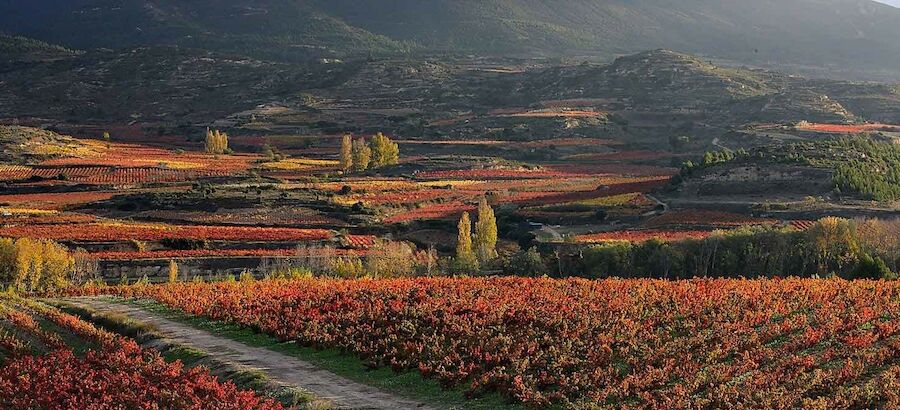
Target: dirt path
277 366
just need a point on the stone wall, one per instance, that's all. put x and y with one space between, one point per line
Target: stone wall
157 270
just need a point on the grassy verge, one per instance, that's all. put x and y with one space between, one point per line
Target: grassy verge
407 383
147 335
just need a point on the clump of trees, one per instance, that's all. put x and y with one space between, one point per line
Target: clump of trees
851 249
474 251
216 142
34 265
872 171
359 155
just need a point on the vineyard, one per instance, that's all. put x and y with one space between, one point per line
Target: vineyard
848 129
51 359
128 164
148 232
612 343
110 175
642 236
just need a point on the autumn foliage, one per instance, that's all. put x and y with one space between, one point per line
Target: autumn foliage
610 343
124 377
39 371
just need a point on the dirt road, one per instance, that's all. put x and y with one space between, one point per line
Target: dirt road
279 367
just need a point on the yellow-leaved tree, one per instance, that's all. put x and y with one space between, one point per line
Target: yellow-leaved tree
34 264
216 142
485 240
362 155
465 262
384 151
347 153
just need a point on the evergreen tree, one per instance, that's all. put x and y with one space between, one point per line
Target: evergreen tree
362 155
465 256
347 153
485 240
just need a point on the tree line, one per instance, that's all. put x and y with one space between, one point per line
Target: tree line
851 249
33 265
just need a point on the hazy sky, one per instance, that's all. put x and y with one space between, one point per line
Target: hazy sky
895 3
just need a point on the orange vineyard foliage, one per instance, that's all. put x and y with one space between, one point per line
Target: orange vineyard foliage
612 343
849 128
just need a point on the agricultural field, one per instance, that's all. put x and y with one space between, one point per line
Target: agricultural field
576 343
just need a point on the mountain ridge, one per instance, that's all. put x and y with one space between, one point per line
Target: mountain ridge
834 34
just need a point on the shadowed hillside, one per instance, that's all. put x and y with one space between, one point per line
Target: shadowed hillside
839 35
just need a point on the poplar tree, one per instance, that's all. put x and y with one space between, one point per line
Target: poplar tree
216 142
362 155
347 153
485 240
465 256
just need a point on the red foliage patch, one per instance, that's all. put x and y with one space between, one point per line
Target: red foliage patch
57 200
360 241
849 129
802 225
111 175
617 343
125 377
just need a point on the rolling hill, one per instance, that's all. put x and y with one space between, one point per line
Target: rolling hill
835 34
176 84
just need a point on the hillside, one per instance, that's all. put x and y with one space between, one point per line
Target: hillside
271 29
818 173
21 145
182 85
666 81
841 35
16 50
151 83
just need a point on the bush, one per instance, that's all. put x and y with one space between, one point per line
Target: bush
871 268
183 244
526 263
